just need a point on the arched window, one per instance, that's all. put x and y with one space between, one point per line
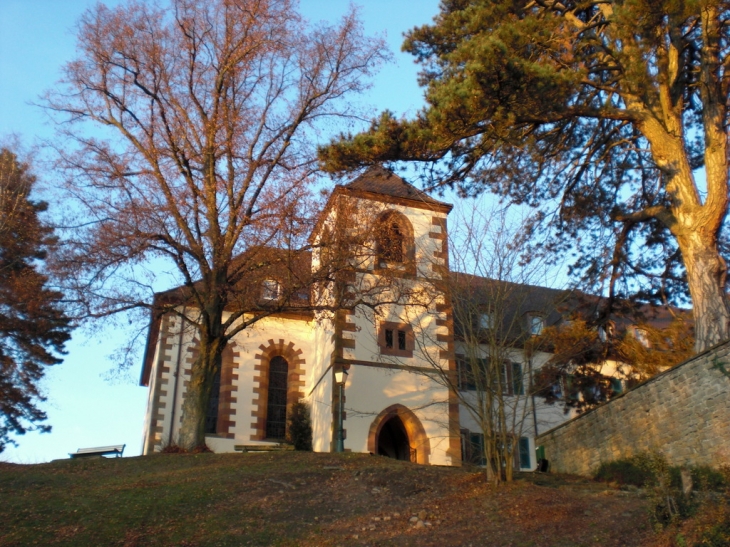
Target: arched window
276 400
394 239
391 243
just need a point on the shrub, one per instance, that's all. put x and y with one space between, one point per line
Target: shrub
707 478
638 471
300 427
718 535
625 471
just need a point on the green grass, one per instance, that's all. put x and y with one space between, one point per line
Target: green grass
160 500
301 499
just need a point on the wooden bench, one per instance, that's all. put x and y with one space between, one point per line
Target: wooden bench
263 447
116 450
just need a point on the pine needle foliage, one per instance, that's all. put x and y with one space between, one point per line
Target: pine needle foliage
33 326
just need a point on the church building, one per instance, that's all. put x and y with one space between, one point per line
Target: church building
394 352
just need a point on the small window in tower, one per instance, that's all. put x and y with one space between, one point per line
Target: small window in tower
606 331
396 339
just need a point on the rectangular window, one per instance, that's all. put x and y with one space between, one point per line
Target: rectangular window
462 368
477 445
302 295
396 339
505 378
569 389
556 390
472 374
402 340
525 462
642 336
270 290
518 386
472 447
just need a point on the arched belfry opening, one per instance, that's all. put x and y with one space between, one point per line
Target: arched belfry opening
398 433
394 242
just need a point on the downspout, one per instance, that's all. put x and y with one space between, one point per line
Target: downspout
532 396
177 375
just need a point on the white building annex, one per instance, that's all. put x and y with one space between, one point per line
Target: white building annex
393 405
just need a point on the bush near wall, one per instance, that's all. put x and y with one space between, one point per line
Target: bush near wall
299 432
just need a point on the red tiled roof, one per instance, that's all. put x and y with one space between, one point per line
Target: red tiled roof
378 180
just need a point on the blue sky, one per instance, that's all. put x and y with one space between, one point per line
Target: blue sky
36 39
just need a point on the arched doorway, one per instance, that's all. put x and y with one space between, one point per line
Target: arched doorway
393 440
397 433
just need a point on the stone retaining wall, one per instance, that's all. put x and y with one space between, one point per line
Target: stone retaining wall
683 413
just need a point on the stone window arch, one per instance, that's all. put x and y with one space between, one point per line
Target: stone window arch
394 242
280 358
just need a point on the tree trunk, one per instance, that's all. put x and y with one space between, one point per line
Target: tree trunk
197 393
706 272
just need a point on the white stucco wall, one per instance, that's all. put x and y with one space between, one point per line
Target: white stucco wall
319 385
370 390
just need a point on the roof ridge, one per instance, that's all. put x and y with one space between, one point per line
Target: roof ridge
378 179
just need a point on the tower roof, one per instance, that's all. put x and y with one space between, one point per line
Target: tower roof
379 180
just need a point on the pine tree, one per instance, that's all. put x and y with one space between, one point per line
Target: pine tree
610 118
33 326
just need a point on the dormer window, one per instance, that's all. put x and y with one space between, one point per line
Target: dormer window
486 321
271 290
302 294
535 324
606 331
642 336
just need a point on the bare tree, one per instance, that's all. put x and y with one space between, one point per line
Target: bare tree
204 118
499 309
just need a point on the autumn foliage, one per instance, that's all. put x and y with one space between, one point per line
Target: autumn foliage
576 374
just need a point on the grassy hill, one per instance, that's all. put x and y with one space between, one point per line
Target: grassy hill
288 499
